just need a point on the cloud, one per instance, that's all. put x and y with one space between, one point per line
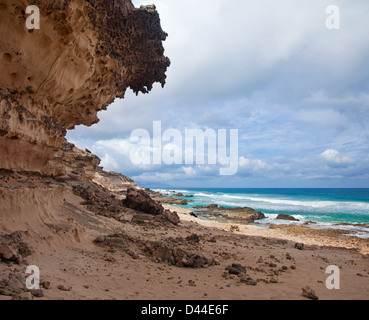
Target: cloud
252 165
296 92
334 158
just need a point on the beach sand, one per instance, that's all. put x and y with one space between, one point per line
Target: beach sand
78 268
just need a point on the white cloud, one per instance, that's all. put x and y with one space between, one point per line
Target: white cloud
334 158
191 172
108 163
252 164
268 68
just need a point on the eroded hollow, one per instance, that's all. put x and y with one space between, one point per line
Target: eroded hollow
7 57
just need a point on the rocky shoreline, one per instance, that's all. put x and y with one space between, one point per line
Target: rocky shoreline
213 211
246 215
234 215
94 234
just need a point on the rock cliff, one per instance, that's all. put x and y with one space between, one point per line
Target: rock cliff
85 54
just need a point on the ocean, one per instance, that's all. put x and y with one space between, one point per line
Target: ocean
328 208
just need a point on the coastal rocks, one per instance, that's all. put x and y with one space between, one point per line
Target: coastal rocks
65 288
86 54
194 238
180 257
138 203
71 162
239 214
234 228
173 201
13 286
123 242
171 216
178 252
236 269
99 200
7 253
211 206
13 248
182 195
286 217
309 293
167 199
299 246
139 200
114 182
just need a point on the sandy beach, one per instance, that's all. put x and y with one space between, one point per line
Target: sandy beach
74 265
254 86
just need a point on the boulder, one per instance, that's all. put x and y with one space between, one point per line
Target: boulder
171 216
236 269
139 200
299 246
309 293
211 206
286 217
7 253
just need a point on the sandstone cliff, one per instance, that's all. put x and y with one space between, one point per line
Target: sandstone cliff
85 54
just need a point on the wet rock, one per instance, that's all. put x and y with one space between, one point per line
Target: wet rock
286 217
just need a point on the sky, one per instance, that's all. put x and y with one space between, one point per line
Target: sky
296 91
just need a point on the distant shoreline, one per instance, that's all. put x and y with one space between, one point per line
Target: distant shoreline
308 236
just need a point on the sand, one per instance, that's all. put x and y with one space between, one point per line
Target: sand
68 258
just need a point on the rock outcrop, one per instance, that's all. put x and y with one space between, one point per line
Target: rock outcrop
239 214
85 54
139 200
286 217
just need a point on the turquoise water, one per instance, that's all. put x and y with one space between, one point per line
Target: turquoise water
327 207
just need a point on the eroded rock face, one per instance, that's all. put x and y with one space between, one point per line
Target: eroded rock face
85 54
